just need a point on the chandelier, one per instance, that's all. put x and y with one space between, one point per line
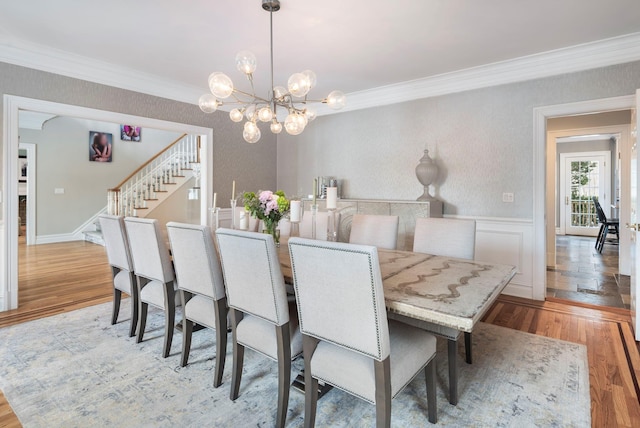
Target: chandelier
293 99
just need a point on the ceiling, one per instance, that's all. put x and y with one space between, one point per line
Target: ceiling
352 45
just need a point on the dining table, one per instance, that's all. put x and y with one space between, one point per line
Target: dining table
443 295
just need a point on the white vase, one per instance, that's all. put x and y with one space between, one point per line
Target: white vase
427 172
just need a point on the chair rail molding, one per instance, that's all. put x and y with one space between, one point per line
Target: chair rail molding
12 105
540 116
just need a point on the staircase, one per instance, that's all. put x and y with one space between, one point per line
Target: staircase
152 183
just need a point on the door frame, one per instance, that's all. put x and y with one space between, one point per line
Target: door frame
562 179
31 190
540 116
9 233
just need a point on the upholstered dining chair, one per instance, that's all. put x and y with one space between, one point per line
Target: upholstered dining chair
117 246
154 273
201 288
261 318
449 238
348 342
445 237
378 230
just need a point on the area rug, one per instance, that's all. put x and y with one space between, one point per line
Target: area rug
76 370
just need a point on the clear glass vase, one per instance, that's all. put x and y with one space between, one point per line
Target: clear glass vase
272 229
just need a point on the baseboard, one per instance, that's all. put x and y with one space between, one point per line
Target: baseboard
518 290
61 237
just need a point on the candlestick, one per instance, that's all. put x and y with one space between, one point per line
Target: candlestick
215 218
314 217
233 212
233 190
215 199
332 230
315 190
332 198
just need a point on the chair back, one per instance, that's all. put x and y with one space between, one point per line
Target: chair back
116 241
252 275
340 296
445 237
602 218
378 230
149 251
195 260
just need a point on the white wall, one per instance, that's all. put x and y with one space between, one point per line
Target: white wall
63 162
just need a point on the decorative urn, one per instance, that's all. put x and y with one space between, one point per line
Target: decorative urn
427 172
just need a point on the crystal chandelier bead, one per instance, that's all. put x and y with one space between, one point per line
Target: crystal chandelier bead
220 84
236 115
208 103
336 100
246 62
265 114
298 85
295 123
276 127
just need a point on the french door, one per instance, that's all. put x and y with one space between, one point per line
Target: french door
583 176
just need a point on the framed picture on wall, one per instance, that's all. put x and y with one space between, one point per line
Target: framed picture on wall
130 133
22 169
100 146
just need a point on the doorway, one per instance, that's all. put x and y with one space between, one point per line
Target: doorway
588 165
9 227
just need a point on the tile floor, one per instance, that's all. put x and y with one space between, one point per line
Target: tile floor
583 275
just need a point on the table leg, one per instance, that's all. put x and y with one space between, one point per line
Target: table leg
453 371
467 347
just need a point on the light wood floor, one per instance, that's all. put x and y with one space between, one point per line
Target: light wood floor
68 276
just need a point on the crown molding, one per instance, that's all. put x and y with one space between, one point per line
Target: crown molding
44 58
601 53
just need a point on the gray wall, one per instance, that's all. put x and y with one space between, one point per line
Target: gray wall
63 162
482 140
253 166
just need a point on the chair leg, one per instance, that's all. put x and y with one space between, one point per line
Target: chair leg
134 306
238 357
117 296
187 329
382 370
432 405
142 320
468 348
599 237
220 308
283 336
170 315
309 345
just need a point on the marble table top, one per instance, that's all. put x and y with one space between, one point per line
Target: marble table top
446 291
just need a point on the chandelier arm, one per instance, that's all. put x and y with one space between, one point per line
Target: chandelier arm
254 96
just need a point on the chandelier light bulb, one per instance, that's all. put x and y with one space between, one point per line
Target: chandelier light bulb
279 92
265 114
336 100
250 112
295 123
246 62
310 114
276 127
208 103
236 115
311 78
251 132
298 85
221 85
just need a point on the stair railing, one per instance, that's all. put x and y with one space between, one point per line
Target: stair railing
152 177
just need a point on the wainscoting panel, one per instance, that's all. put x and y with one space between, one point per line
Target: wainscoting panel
3 287
508 241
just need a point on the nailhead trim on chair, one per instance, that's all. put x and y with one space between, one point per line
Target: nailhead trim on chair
373 293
